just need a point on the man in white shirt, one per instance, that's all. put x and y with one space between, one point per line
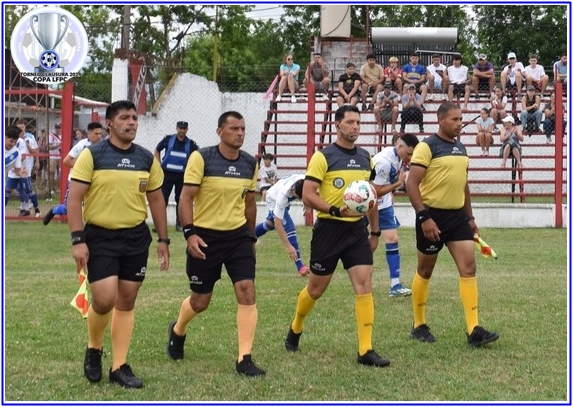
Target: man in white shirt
95 134
458 79
535 74
513 72
279 197
436 74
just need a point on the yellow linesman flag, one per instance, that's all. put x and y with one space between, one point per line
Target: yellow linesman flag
485 250
81 300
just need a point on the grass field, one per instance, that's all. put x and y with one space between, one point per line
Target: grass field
523 295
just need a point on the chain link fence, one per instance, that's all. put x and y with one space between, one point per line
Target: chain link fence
287 130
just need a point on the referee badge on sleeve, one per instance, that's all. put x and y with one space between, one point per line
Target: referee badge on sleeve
142 185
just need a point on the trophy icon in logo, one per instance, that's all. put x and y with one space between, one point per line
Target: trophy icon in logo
49 34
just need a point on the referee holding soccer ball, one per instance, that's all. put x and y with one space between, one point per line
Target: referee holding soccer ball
338 234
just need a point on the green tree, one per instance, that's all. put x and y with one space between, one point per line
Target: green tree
522 29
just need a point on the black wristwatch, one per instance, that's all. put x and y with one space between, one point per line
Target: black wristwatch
166 240
377 234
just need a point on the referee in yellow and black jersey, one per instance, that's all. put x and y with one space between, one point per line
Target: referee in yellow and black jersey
438 189
113 179
218 211
338 234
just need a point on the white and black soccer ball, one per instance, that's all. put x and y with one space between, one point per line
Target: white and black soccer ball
360 196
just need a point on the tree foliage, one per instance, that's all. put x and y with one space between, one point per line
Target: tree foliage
522 29
183 38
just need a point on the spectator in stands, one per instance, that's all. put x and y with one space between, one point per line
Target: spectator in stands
530 110
513 72
348 86
483 75
510 137
485 126
550 111
54 143
412 109
42 173
386 109
414 73
393 73
78 135
535 74
268 175
319 74
288 74
458 79
435 74
498 103
560 69
372 75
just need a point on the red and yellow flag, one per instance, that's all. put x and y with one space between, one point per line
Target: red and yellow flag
81 300
485 250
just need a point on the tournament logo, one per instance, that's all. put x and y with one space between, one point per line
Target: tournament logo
49 45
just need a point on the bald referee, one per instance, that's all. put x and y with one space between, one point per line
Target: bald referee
218 212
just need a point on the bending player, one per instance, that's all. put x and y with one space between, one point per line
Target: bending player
389 177
278 200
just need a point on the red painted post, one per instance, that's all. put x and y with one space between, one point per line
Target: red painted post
310 128
67 129
559 154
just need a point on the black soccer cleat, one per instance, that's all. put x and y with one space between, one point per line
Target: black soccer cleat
48 217
371 358
92 364
480 337
248 367
422 333
291 341
124 377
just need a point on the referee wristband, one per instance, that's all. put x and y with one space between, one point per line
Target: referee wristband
423 216
78 237
334 211
189 230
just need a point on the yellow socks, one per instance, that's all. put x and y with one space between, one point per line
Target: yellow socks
121 329
304 305
364 310
247 316
419 297
186 314
96 328
469 296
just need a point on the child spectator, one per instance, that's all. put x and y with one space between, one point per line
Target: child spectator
498 103
484 131
268 175
393 73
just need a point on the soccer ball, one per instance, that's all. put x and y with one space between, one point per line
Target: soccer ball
360 196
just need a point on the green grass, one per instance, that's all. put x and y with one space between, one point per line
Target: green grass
523 295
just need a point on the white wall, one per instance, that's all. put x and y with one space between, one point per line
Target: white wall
487 215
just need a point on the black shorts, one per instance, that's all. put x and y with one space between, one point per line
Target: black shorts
334 240
459 88
453 225
121 252
234 249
